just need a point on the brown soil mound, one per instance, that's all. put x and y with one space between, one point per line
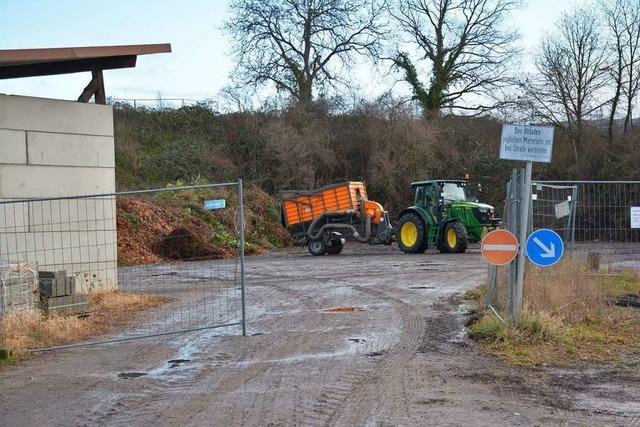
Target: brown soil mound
184 243
174 226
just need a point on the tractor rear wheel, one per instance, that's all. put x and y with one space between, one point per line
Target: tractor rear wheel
316 247
412 234
454 239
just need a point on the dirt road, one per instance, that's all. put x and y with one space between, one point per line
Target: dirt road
404 360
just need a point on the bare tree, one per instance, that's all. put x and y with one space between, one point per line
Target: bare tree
623 24
572 70
465 45
301 46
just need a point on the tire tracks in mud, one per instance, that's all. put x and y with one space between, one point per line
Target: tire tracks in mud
340 394
382 376
202 390
187 401
146 403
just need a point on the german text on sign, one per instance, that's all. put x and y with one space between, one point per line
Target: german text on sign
526 143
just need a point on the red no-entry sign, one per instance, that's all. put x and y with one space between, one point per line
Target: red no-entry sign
499 247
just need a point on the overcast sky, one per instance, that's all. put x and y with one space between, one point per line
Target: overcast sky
199 64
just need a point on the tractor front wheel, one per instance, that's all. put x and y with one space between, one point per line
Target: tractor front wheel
411 234
454 239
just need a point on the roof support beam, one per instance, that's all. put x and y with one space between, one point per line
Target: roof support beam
94 88
66 67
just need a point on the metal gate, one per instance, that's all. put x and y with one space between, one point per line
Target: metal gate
125 265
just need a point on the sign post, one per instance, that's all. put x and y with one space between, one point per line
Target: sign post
529 144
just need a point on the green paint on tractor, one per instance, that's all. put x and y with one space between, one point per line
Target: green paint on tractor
445 216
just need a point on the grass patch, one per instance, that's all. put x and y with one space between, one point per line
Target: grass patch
569 318
109 311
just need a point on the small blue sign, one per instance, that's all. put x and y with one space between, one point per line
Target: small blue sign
210 205
544 247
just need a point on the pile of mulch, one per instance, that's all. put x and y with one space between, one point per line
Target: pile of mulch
148 233
155 229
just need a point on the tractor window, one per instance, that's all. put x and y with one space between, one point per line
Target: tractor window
453 192
431 195
420 196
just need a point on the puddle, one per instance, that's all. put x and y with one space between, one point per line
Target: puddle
256 334
422 287
357 340
375 354
130 375
177 362
343 309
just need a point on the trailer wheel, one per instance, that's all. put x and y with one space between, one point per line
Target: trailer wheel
316 247
411 234
335 247
454 239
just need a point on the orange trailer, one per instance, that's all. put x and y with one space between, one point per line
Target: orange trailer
324 218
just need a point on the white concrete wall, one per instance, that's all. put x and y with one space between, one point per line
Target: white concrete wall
52 148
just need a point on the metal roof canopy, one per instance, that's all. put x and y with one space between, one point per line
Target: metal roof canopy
15 63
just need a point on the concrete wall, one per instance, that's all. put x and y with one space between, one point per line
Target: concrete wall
51 148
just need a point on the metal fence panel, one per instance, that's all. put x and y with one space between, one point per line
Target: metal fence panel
603 210
126 249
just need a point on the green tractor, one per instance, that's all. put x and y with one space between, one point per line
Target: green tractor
443 216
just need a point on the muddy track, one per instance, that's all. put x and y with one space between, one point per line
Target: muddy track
404 360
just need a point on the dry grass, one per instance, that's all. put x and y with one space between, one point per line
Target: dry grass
109 311
569 317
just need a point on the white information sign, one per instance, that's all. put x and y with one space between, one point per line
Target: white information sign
526 143
635 216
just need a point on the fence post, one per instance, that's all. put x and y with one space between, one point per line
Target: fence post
524 217
512 224
574 208
242 284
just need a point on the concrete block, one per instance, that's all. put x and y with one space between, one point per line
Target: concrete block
90 214
103 278
70 150
13 146
72 304
55 284
52 250
14 217
90 256
71 285
52 115
18 181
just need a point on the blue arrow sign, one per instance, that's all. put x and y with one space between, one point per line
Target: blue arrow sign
544 247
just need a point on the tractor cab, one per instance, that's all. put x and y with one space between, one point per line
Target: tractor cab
430 194
445 216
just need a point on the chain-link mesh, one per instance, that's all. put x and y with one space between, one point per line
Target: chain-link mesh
133 264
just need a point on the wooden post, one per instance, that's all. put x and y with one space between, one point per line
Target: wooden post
100 97
593 261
